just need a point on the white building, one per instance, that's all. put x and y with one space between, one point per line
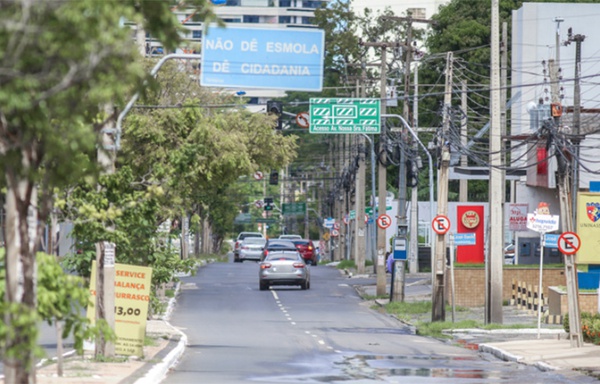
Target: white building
419 9
535 27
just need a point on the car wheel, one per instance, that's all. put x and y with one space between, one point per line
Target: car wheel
314 263
304 285
264 286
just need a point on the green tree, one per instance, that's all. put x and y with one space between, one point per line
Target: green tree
59 62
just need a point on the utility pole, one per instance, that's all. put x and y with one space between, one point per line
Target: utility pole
575 334
105 252
495 257
463 184
359 206
413 240
402 227
381 170
438 307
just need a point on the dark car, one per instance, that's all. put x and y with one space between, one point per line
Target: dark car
277 245
307 250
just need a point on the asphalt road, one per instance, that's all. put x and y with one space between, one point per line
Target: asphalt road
327 334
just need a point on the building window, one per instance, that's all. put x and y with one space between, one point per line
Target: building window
307 20
233 3
285 3
285 19
251 19
196 34
417 13
311 4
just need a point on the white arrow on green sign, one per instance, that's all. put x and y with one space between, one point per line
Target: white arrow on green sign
345 115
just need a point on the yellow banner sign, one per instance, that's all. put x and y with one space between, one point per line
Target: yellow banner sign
588 227
132 297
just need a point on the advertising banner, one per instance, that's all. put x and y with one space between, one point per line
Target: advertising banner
588 227
132 297
470 221
288 59
517 216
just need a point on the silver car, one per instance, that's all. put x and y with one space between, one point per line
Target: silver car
251 248
283 268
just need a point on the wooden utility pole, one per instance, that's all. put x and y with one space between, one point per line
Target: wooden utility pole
495 257
438 307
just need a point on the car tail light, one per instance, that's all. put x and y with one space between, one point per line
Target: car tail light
237 244
265 266
310 248
266 252
298 265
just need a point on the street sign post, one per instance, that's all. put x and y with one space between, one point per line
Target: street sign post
464 239
384 221
569 243
344 116
440 224
400 248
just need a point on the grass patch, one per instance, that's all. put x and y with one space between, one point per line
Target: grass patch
150 341
106 359
434 329
170 293
350 264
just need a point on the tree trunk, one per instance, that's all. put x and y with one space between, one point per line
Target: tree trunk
21 235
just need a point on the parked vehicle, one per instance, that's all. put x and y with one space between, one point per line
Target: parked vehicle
278 245
238 242
290 237
283 268
251 248
307 250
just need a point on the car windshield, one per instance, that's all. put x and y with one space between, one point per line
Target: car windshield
248 235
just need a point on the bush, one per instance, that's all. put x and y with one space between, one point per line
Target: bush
590 327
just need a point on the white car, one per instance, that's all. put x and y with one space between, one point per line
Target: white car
238 243
290 237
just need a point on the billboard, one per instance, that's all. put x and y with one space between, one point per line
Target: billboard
287 59
588 227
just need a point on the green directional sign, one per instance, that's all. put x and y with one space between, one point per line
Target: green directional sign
267 221
369 210
293 208
345 115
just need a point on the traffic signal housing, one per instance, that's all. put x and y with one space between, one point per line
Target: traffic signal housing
274 178
276 108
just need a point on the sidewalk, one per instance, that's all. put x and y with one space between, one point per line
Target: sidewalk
551 351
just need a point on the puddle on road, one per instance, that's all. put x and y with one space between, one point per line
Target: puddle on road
381 368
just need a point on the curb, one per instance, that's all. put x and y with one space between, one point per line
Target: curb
158 372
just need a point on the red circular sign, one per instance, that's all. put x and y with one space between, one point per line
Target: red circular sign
384 221
335 233
440 224
569 243
258 175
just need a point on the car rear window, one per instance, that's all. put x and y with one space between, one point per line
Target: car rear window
282 256
301 242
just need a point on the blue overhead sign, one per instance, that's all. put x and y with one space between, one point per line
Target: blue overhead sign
288 59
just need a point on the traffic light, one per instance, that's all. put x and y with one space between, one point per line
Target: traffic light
275 108
274 178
